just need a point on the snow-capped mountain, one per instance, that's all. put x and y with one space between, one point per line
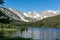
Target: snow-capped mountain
27 16
22 16
33 15
49 13
19 14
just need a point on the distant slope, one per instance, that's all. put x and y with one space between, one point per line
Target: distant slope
52 22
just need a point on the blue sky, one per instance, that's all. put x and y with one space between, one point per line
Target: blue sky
33 5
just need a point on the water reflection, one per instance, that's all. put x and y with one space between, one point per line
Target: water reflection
42 33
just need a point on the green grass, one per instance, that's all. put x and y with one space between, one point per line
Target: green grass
8 29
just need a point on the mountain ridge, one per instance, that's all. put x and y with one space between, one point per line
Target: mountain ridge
28 16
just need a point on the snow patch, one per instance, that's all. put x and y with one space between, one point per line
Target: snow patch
45 16
25 14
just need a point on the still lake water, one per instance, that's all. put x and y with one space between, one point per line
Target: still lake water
41 33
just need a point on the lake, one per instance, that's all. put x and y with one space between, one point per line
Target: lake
42 33
39 33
